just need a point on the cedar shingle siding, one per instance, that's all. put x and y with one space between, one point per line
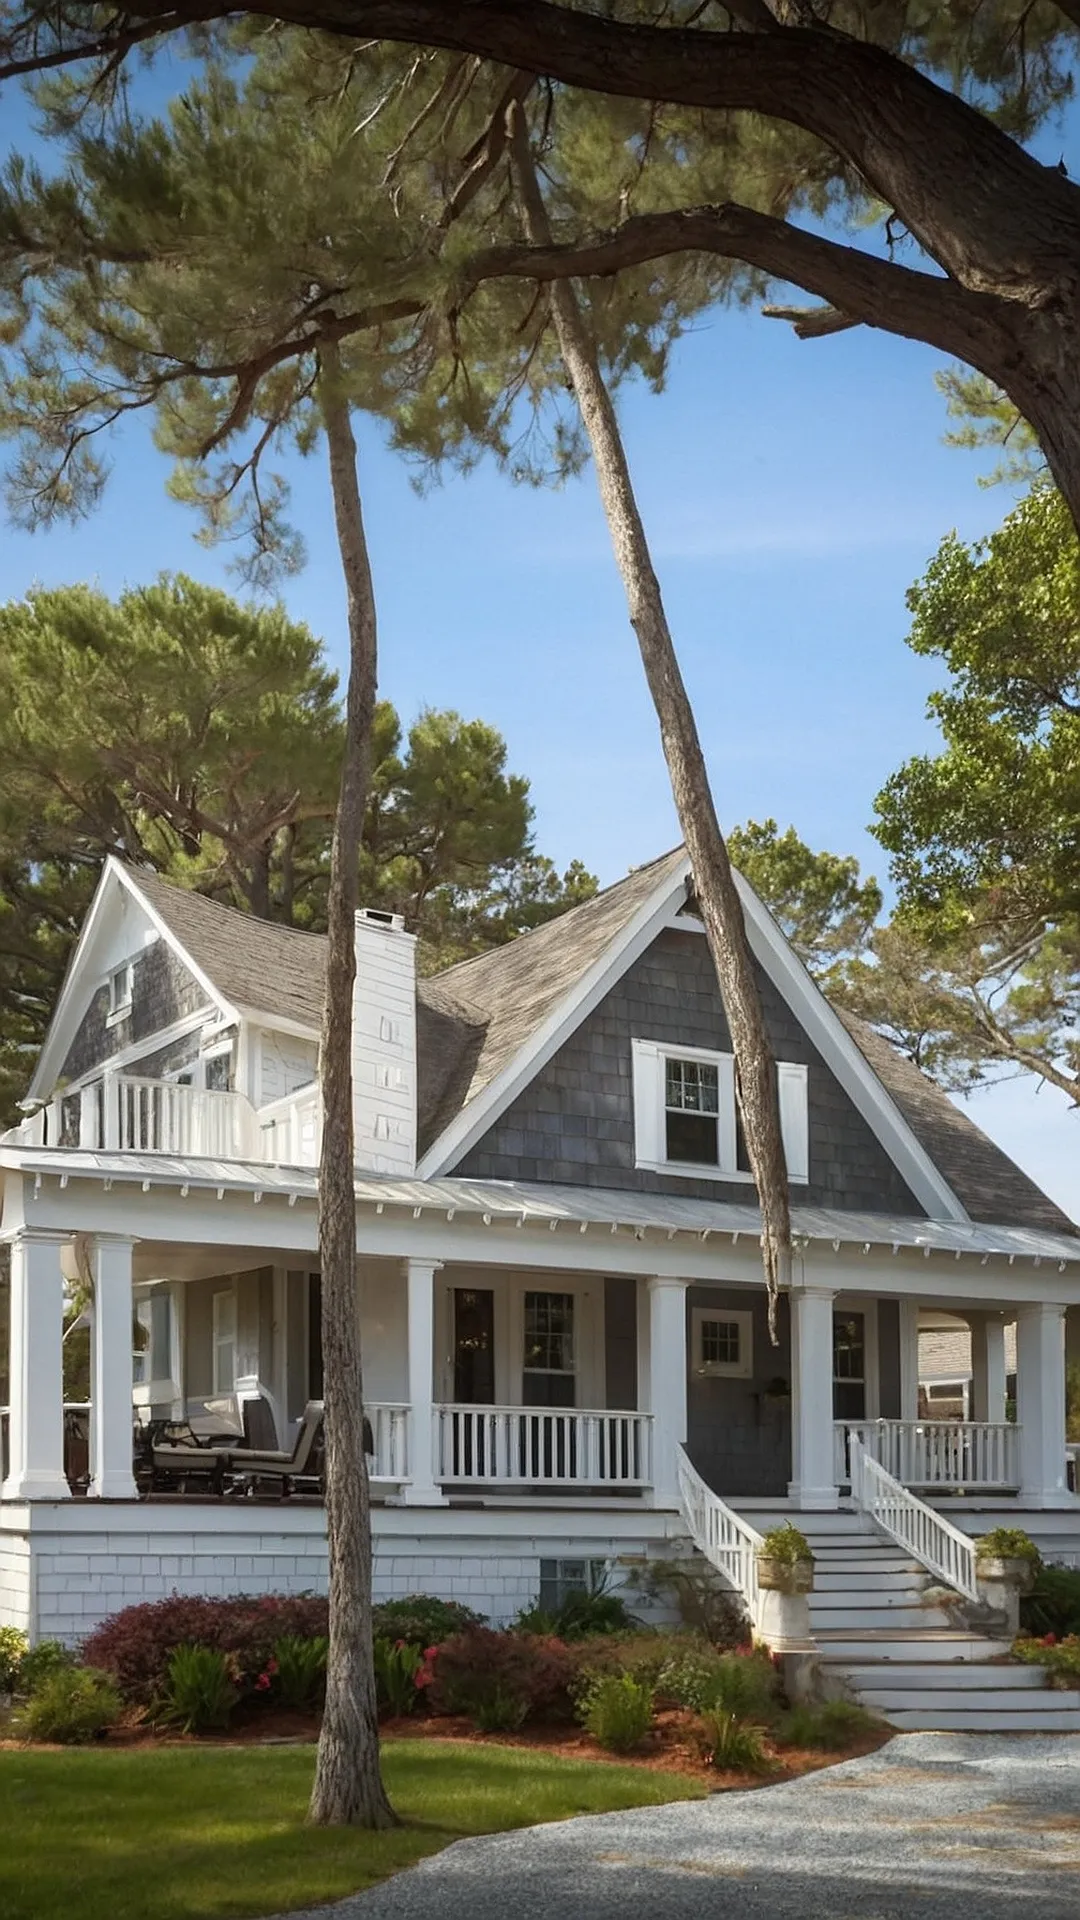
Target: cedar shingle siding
162 991
575 1123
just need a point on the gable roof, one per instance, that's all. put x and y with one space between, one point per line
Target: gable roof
478 1019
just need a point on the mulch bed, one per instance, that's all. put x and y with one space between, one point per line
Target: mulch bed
669 1748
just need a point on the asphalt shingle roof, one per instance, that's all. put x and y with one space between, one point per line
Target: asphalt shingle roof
475 1017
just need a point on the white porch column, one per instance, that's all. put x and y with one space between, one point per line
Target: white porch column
111 1415
422 1489
36 1432
987 1367
667 1383
909 1359
1040 1404
813 1483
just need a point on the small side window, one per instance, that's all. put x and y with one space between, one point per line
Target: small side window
723 1342
120 985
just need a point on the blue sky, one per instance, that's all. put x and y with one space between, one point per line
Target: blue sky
792 491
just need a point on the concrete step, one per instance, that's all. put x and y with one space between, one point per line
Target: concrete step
896 1676
990 1719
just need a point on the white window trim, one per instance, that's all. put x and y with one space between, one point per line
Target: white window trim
648 1060
741 1369
120 1005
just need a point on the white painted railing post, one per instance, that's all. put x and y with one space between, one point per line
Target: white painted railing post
727 1541
422 1489
111 1416
667 1383
813 1485
924 1533
1040 1395
36 1420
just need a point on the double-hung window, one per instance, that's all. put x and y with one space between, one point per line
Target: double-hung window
686 1119
121 983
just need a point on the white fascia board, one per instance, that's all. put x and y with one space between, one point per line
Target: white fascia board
276 1023
474 1120
854 1073
68 1006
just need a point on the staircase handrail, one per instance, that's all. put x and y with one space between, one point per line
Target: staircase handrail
924 1533
727 1541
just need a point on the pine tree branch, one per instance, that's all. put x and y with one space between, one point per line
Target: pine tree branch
812 323
860 288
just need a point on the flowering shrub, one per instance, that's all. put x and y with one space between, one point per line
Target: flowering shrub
134 1646
421 1619
481 1673
1061 1658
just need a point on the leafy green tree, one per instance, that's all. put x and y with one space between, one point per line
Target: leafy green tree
821 902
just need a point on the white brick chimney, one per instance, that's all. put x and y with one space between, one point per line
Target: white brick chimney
384 1044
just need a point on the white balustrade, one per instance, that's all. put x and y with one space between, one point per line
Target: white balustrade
290 1129
542 1446
390 1432
164 1116
727 1541
935 1453
924 1533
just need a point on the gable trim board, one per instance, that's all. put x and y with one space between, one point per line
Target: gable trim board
68 1007
820 1023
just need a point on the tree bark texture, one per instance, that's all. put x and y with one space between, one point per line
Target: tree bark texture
714 882
348 1787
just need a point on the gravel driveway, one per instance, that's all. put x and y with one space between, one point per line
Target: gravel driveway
931 1827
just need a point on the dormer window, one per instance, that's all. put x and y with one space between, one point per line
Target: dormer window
120 984
686 1119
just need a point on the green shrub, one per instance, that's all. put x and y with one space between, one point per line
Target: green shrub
500 1710
617 1710
70 1705
1061 1658
200 1689
826 1729
705 1606
422 1619
14 1647
785 1544
1008 1543
41 1663
744 1684
1053 1605
733 1745
301 1671
481 1671
397 1675
135 1645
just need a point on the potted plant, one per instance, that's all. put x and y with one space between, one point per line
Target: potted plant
785 1563
1007 1553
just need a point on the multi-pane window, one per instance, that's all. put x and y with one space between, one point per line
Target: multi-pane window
849 1366
548 1350
723 1341
691 1111
224 1327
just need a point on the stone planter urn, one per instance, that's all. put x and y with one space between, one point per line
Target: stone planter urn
785 1576
1003 1575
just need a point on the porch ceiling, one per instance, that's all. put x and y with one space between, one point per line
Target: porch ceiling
506 1202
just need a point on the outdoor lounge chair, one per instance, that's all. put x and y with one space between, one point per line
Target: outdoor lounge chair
248 1467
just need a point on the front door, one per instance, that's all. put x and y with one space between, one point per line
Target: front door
849 1366
474 1346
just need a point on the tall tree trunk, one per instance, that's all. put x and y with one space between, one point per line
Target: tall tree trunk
348 1786
721 909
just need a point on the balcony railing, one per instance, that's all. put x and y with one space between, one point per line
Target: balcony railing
972 1454
390 1432
542 1446
133 1113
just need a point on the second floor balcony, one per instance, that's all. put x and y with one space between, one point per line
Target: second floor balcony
123 1112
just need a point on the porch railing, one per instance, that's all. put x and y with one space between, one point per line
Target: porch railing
389 1459
542 1446
930 1539
289 1130
935 1453
162 1116
728 1542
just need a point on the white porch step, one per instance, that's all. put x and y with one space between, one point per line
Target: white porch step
929 1645
895 1678
990 1719
867 1580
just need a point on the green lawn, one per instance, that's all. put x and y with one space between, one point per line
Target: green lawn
185 1833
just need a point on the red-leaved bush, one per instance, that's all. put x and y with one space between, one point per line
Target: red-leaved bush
471 1671
134 1646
